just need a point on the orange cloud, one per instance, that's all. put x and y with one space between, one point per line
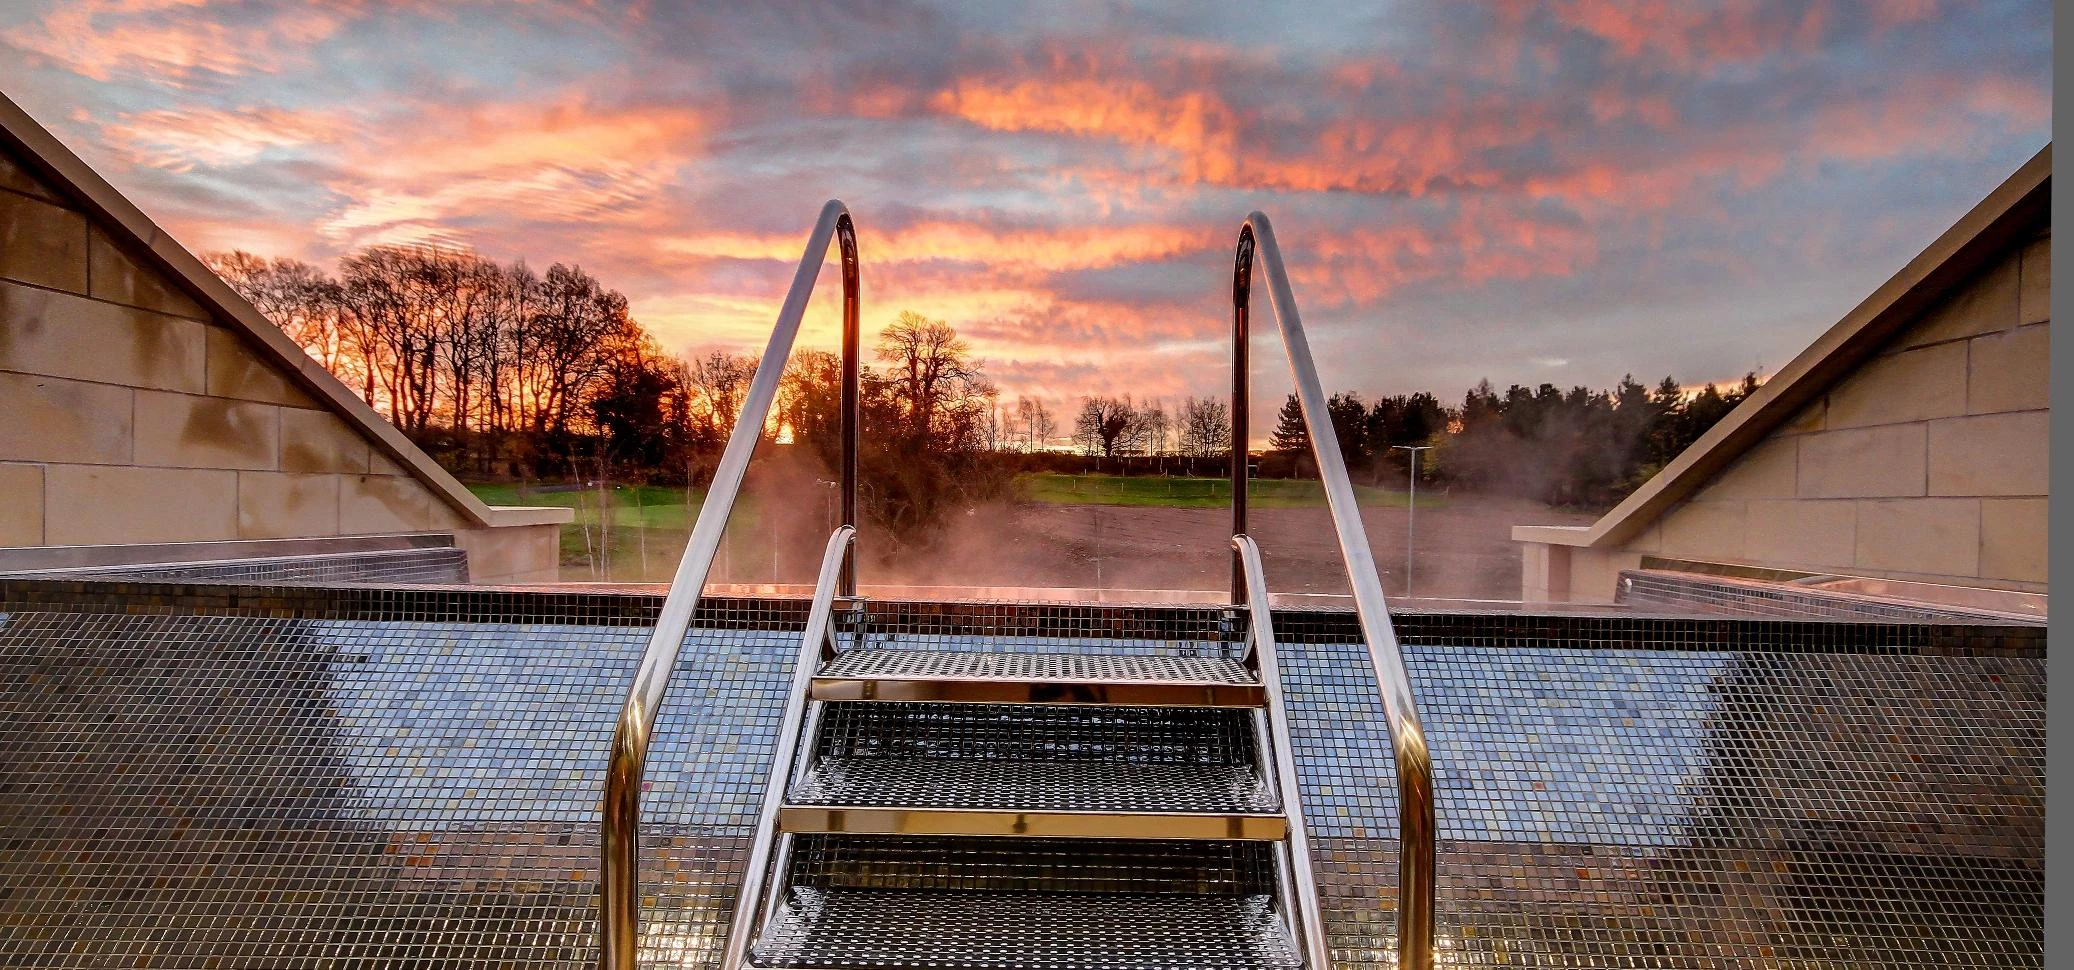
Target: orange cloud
1485 241
1045 250
1520 141
1928 115
569 161
1197 128
169 41
1690 36
412 173
1203 137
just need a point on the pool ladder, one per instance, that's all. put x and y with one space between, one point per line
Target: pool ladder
1025 807
1008 803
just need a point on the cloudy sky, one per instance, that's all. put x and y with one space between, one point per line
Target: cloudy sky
1562 191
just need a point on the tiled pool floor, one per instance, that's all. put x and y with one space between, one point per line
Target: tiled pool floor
181 790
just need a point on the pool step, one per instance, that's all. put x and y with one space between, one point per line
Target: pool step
1029 802
1036 678
1088 772
1007 904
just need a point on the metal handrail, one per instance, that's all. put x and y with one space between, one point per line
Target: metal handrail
1261 632
1415 877
619 882
812 645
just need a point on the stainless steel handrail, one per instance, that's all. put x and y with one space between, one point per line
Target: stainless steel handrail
819 629
1415 877
1261 632
619 882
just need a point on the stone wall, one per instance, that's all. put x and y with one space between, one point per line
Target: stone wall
1927 462
132 416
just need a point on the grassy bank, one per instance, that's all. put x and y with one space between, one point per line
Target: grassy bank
625 533
646 506
1046 488
635 533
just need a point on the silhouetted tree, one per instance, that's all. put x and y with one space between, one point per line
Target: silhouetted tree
474 360
630 409
1291 434
1034 424
1350 427
928 421
1205 427
1577 447
1102 424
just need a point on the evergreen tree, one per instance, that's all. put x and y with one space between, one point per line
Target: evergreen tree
1349 426
1290 433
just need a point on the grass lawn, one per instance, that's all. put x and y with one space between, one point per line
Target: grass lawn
648 527
1050 488
645 506
648 524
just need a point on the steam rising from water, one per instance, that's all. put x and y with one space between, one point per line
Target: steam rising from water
789 507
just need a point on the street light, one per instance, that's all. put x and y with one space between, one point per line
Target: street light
1411 511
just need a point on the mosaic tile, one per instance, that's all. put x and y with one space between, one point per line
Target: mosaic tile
1666 591
241 776
389 566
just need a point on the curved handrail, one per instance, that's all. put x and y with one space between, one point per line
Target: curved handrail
1262 632
619 915
810 646
1415 879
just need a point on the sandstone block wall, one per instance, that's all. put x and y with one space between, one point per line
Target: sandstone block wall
1928 462
129 415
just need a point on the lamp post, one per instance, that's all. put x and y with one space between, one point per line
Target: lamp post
1411 511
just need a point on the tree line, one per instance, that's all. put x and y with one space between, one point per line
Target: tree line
1576 447
500 371
1580 447
494 368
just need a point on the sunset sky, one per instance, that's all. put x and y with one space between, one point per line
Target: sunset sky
1560 192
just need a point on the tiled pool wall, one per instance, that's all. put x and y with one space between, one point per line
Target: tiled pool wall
436 565
214 774
575 604
1665 591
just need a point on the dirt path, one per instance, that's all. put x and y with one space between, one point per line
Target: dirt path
1463 551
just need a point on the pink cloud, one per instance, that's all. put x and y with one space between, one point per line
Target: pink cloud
1023 185
179 139
170 41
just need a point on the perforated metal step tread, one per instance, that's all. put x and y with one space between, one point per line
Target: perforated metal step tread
1036 678
1034 786
1036 758
891 929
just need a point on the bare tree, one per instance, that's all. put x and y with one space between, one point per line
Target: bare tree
1152 430
375 298
1103 425
1042 427
296 296
810 397
1034 424
570 326
1205 427
937 383
719 382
